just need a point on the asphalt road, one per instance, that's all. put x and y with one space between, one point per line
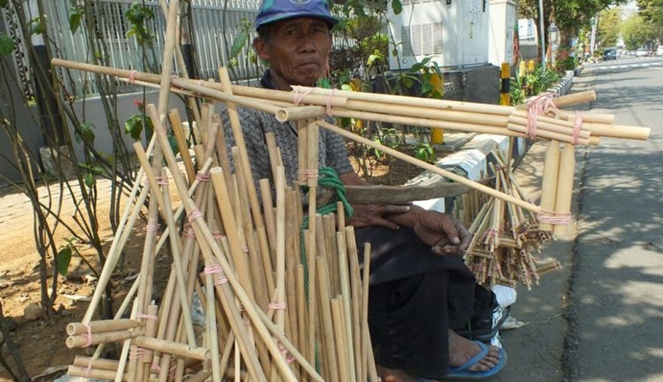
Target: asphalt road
600 319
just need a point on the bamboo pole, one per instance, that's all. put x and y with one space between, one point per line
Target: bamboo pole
549 181
100 326
178 132
245 171
356 299
325 298
565 187
84 340
346 295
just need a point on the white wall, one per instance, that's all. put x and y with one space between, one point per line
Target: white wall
503 20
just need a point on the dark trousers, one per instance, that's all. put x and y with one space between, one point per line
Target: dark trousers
412 308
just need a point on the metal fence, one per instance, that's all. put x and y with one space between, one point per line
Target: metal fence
216 25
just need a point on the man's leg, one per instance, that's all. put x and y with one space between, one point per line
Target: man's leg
408 320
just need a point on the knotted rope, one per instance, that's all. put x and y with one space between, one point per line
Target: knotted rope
327 178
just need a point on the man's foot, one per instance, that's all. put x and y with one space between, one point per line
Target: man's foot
393 375
462 350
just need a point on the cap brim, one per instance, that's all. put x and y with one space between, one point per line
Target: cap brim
330 20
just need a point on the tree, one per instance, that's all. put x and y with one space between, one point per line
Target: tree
569 15
638 32
651 12
609 26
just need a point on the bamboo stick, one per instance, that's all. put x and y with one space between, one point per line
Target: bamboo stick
86 372
84 340
549 181
617 131
178 132
95 363
75 328
346 295
356 298
245 171
548 134
366 349
549 124
210 315
340 333
329 340
409 101
565 187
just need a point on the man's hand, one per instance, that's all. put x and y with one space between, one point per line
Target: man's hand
442 232
366 215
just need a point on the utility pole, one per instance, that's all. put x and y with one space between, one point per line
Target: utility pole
592 40
542 36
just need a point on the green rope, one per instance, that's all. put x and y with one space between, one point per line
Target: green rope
327 178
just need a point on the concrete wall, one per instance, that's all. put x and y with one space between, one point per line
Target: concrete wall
92 111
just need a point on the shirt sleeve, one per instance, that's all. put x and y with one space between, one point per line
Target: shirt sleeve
337 154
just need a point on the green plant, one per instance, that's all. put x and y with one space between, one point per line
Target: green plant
66 253
425 152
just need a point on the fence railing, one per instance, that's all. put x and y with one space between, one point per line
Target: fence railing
217 23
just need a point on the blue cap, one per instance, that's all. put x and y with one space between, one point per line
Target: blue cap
276 10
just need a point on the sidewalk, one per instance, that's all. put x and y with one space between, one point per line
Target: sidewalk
536 351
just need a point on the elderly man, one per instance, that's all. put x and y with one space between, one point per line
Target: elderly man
420 288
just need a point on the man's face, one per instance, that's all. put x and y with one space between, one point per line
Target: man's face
297 51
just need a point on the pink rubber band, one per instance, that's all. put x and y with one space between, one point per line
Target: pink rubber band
202 177
298 96
329 102
88 369
277 305
212 269
308 174
162 181
195 214
151 227
538 106
577 127
132 76
555 218
88 335
147 316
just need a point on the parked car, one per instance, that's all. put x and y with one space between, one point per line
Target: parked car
641 52
659 51
609 54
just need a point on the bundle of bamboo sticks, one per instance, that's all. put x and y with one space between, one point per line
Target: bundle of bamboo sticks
506 237
269 315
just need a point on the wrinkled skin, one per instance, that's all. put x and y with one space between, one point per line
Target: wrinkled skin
297 51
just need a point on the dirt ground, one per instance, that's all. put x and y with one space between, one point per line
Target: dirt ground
41 343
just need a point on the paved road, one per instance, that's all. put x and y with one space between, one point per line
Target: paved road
601 318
